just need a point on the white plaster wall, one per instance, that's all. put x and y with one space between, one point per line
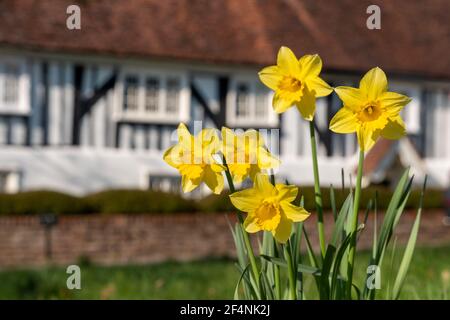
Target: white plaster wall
82 170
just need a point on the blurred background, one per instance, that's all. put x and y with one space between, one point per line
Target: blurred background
92 91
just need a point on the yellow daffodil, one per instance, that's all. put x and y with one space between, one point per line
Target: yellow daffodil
246 154
193 158
370 110
295 82
269 207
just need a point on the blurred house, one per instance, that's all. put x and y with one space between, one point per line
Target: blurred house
91 109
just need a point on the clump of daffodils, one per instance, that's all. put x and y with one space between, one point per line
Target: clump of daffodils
211 157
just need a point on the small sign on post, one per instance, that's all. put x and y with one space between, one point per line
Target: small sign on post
48 221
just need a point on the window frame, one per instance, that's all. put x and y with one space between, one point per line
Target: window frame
270 119
161 115
411 113
12 180
21 106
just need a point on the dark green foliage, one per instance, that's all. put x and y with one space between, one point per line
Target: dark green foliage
216 203
42 202
433 199
112 201
138 201
141 201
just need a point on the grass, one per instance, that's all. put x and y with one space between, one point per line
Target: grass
429 278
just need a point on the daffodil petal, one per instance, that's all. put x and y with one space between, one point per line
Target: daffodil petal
266 160
395 129
250 224
394 102
171 157
246 200
310 66
279 104
367 136
217 167
319 87
227 135
252 138
254 170
271 77
287 61
208 134
239 171
263 185
286 193
307 105
344 121
283 230
351 97
214 180
374 83
294 213
183 133
188 185
208 142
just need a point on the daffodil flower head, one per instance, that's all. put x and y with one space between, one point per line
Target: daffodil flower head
295 82
370 110
269 208
246 154
193 157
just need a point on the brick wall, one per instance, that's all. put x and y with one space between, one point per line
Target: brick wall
121 239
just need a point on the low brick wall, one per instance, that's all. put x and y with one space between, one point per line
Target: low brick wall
121 239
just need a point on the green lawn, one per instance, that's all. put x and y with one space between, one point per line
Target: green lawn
429 278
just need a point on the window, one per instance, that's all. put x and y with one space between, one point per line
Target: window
11 84
250 104
130 96
152 95
242 101
170 184
261 102
9 181
173 89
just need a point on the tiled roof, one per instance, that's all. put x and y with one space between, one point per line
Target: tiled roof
414 38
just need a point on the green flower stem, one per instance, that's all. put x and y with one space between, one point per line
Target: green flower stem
318 193
291 272
248 245
354 225
277 273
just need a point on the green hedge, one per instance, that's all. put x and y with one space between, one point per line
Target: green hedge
38 202
432 199
139 201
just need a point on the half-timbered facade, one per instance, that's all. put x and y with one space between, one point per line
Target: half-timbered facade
100 119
